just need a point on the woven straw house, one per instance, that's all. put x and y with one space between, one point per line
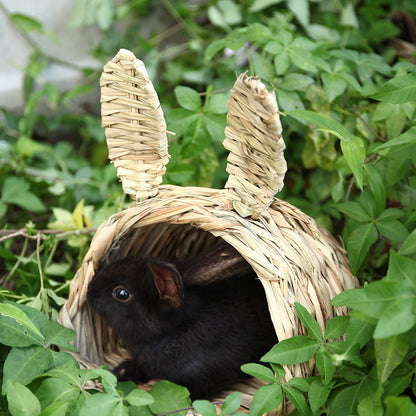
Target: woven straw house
295 260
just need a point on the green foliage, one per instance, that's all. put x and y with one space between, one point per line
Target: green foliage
350 104
350 381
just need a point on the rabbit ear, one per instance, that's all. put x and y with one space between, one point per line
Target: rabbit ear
168 283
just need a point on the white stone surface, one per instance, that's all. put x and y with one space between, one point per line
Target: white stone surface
74 45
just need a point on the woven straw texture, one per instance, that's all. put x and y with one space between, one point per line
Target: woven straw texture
295 260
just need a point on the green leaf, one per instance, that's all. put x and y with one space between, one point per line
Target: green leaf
138 397
102 404
108 379
67 372
393 230
397 169
408 137
259 5
367 202
299 383
396 120
181 173
204 407
53 390
345 402
349 17
58 358
354 152
409 244
282 62
334 85
17 329
298 400
300 8
400 89
3 209
310 323
231 403
399 406
359 243
323 121
265 399
188 98
25 364
16 191
168 397
375 298
26 23
263 67
26 146
398 318
104 14
302 58
371 404
390 352
336 327
217 104
215 124
217 18
60 336
214 47
377 187
358 332
352 354
230 11
260 371
402 269
21 400
390 214
293 350
56 409
295 82
289 101
373 63
325 365
354 209
279 370
318 394
399 380
349 79
338 191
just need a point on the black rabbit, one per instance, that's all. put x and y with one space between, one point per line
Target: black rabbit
193 335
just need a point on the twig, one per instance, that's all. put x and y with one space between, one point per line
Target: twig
7 234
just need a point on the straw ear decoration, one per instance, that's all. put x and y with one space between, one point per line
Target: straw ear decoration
134 125
256 163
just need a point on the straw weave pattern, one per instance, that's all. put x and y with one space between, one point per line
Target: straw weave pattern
135 126
256 164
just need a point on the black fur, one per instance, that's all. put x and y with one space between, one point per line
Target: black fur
199 340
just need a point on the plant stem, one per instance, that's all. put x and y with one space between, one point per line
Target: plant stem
42 233
39 262
19 260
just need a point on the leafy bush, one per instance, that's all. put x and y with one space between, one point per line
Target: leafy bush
349 102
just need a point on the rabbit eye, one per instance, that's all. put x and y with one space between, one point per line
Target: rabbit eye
121 294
